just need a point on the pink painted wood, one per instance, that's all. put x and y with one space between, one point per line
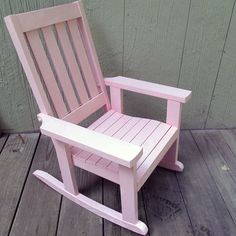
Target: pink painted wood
56 50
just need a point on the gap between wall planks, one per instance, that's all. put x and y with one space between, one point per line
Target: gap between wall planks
185 43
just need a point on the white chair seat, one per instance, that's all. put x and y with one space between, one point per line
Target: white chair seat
154 136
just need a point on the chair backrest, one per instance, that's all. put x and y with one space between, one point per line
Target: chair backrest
58 56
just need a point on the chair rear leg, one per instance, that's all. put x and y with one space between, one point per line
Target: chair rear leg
173 118
129 194
66 166
170 160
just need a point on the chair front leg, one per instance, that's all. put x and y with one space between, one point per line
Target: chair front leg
129 194
66 166
170 160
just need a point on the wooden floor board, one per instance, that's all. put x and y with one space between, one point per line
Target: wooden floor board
111 198
166 212
15 160
38 210
75 220
221 163
3 140
230 138
206 208
198 201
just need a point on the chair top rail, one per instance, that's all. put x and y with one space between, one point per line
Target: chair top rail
47 16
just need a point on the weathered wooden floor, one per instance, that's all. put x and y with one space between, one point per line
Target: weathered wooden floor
199 201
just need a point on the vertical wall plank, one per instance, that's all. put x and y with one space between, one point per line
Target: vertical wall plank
154 35
207 29
15 109
222 111
105 20
18 108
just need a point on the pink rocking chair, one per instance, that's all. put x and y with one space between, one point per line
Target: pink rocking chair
58 56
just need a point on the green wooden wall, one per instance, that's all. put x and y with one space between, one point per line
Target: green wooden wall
184 43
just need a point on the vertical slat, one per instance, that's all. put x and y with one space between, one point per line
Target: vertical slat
84 27
60 67
71 61
82 57
27 62
47 74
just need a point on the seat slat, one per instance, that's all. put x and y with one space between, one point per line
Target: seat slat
152 135
147 167
144 133
135 130
110 132
46 71
127 127
103 127
109 122
119 134
82 57
60 67
101 119
153 141
71 61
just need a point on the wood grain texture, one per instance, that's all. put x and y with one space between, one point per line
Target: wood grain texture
154 40
106 23
199 184
154 32
105 20
15 95
230 138
206 33
15 86
222 165
3 139
15 160
75 220
111 198
165 209
222 111
38 210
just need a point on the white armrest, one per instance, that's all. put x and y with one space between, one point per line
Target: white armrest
107 147
148 88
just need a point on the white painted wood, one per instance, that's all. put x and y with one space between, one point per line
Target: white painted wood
129 194
91 205
85 110
43 17
107 147
148 88
116 99
66 166
154 158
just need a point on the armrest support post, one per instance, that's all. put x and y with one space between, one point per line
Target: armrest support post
173 116
116 99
